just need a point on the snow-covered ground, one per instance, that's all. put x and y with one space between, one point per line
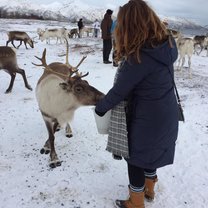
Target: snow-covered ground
88 176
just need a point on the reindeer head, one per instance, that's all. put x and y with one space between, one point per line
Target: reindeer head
74 85
84 93
31 43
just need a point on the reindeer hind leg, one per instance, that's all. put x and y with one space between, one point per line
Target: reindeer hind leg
189 67
22 72
9 89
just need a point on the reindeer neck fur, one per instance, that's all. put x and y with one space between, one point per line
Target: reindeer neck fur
54 101
60 70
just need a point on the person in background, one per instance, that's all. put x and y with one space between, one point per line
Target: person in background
115 63
145 81
96 26
80 27
106 36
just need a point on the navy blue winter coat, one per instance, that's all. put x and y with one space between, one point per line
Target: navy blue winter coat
153 118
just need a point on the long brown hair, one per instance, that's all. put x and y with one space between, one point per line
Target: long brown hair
137 24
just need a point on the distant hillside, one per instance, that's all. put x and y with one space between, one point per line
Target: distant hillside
72 10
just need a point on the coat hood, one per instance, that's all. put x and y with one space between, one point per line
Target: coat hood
107 16
164 53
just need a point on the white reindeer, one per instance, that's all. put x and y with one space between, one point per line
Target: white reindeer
59 94
185 48
59 33
87 31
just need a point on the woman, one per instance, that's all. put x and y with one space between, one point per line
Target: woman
144 79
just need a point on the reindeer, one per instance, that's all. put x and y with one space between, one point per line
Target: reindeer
39 32
88 30
73 33
58 33
8 62
59 94
201 41
185 47
20 36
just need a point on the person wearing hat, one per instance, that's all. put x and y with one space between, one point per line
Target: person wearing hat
106 35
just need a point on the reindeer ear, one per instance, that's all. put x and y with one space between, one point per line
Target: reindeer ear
65 86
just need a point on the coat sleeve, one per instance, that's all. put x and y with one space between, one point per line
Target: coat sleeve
128 78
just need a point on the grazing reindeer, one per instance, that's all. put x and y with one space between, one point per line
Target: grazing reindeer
8 62
201 41
73 33
59 94
59 33
20 36
185 47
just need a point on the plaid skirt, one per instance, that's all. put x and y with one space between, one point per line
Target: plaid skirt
117 137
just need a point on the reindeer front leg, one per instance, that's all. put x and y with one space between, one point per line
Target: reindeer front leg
25 42
13 44
49 146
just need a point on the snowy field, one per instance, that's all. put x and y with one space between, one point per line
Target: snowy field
88 176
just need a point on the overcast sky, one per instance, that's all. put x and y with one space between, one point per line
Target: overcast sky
190 9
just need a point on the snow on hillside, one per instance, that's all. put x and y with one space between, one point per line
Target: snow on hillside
88 176
72 10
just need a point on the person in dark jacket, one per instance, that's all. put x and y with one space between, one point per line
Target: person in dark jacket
80 27
145 81
106 36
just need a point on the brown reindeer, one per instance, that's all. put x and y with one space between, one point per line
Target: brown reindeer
19 36
8 62
73 33
59 94
201 41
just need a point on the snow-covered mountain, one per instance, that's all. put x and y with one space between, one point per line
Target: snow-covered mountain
72 10
69 10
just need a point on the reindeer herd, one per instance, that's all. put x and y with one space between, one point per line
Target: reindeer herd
61 90
187 46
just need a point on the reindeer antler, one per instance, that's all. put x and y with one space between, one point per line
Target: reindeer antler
83 58
67 53
74 69
84 75
43 60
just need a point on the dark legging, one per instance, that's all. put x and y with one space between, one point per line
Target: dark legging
107 46
137 176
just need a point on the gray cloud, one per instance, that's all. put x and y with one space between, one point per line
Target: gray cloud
190 9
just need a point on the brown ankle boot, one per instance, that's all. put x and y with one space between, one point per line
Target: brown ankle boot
136 200
149 188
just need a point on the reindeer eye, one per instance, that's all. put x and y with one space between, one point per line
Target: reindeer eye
78 89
